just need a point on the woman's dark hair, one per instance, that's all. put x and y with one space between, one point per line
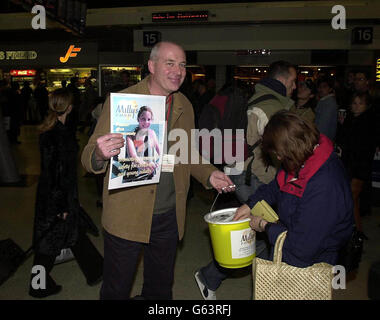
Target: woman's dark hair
291 138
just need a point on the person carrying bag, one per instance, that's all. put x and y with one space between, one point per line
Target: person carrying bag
313 201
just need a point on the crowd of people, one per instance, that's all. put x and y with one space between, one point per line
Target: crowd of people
299 153
30 104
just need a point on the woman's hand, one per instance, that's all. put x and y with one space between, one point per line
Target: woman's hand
258 224
241 213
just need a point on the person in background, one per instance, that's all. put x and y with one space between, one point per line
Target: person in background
73 118
16 113
125 80
306 100
361 81
26 95
211 86
326 111
358 145
60 222
362 85
88 103
201 97
311 193
348 90
149 217
41 97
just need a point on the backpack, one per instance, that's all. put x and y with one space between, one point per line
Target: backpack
251 148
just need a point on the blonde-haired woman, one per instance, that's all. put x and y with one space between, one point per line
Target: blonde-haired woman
59 221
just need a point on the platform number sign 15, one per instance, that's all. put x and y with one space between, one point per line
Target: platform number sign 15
150 38
362 35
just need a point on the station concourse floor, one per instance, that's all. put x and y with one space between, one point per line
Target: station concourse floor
194 251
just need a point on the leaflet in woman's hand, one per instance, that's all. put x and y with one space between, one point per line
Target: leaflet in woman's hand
264 210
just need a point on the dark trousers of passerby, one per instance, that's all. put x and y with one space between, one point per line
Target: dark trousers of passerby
87 256
366 198
121 259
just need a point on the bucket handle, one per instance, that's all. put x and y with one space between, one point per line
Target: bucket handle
216 198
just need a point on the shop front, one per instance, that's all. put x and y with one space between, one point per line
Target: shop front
117 77
59 77
118 70
22 75
49 63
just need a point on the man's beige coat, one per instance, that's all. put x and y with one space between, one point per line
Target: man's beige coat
127 212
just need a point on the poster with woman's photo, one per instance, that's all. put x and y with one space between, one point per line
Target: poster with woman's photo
141 120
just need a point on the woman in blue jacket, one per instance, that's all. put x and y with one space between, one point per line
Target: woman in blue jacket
311 193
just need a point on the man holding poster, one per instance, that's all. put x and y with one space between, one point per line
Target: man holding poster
149 216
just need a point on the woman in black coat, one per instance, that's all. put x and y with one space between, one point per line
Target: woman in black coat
356 138
59 221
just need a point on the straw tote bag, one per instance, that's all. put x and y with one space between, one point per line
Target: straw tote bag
276 280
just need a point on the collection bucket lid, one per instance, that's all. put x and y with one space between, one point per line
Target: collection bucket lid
223 216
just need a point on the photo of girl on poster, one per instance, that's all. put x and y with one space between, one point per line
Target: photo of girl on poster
143 146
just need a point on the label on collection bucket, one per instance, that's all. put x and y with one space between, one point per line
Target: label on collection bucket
242 243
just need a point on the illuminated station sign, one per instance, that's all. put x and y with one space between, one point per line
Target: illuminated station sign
176 16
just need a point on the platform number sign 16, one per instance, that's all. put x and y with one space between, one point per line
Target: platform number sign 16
150 38
362 35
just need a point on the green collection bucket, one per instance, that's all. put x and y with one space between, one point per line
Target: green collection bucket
233 242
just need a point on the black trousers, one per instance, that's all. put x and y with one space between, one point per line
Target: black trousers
121 258
87 256
366 198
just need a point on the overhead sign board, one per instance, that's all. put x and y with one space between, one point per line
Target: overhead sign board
49 54
176 16
18 55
